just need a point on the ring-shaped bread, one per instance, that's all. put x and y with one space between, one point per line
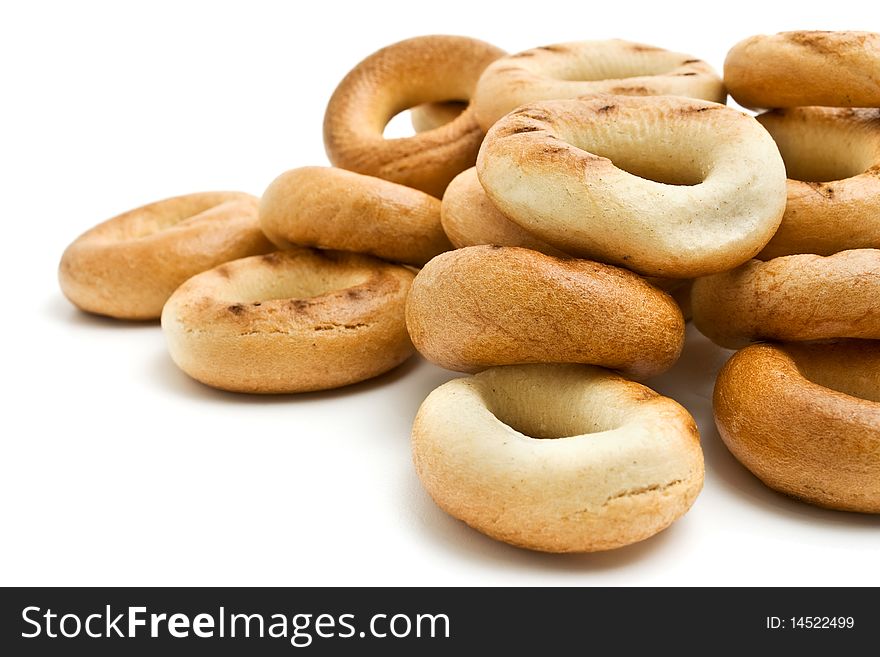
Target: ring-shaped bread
482 306
805 419
558 458
405 74
584 68
290 321
662 185
128 266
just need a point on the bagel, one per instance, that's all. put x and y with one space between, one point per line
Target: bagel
291 321
128 266
791 298
832 159
336 209
792 69
805 419
558 458
664 186
428 116
572 70
408 73
483 306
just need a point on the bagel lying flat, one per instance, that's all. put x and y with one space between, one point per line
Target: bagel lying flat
559 458
664 186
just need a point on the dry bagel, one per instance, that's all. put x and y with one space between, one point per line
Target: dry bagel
337 209
290 321
408 73
483 306
793 69
552 167
428 116
832 159
129 265
572 70
805 419
791 298
558 458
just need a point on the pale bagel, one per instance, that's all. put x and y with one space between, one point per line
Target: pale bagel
791 69
128 266
791 298
805 419
583 68
483 306
291 321
583 176
832 159
336 209
428 116
558 458
405 74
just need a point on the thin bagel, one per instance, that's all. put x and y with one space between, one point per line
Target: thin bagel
793 69
483 306
128 266
558 458
428 116
583 68
832 159
792 298
291 321
408 73
336 209
805 419
552 167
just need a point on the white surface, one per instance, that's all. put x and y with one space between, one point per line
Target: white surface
118 469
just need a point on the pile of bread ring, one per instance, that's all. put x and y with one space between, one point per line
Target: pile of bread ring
556 218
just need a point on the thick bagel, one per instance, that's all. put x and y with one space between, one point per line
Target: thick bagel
129 265
428 116
558 458
583 68
832 159
483 306
290 321
805 419
793 69
337 209
582 175
408 73
791 298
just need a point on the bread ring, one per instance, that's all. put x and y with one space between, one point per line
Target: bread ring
291 321
128 266
408 73
581 175
832 158
337 209
571 70
558 458
428 116
792 69
805 419
482 306
792 298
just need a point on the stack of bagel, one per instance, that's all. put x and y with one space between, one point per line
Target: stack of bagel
541 232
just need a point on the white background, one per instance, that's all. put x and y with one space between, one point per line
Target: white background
118 469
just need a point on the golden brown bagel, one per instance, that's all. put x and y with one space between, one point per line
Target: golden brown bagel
408 73
336 209
791 298
291 321
805 419
665 186
558 458
483 306
128 266
428 116
792 69
832 159
583 68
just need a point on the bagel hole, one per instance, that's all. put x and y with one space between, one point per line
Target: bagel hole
302 285
422 118
149 222
597 69
857 376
